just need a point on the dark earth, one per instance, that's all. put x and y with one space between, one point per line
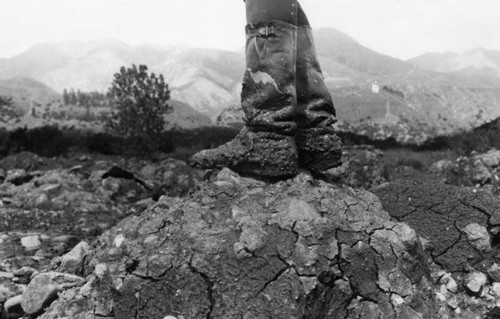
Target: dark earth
88 236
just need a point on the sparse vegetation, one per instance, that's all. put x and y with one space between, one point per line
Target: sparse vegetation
7 108
183 144
480 139
86 99
393 91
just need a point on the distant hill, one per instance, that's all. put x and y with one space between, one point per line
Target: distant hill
35 104
184 116
205 79
476 62
374 94
380 96
342 55
27 92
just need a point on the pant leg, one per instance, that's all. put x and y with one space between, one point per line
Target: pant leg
315 105
301 17
268 10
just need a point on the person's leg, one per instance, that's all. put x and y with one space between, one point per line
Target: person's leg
269 10
301 16
265 146
318 147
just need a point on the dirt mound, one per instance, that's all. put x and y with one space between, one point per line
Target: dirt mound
460 229
47 206
362 167
238 247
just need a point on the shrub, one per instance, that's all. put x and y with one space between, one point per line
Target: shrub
139 102
46 141
104 143
411 162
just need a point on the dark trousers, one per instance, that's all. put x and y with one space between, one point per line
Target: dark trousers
288 11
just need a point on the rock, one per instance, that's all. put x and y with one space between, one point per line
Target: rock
18 177
118 172
491 159
69 241
148 172
42 201
52 189
452 302
495 288
25 274
5 274
8 290
75 168
31 242
72 262
480 172
449 283
118 241
361 167
43 289
169 178
238 247
493 313
478 236
475 282
441 167
481 169
23 160
101 270
12 307
494 272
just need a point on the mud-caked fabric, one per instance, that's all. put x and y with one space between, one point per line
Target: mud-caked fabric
318 147
314 103
265 146
268 95
262 154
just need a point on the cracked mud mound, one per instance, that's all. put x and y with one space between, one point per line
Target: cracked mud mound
241 248
441 214
460 229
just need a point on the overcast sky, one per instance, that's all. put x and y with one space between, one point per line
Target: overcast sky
400 28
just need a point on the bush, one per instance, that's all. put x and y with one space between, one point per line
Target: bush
139 102
182 144
104 143
46 141
411 162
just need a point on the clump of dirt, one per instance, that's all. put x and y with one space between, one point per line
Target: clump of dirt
237 247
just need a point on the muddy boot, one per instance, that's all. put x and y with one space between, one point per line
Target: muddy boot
318 147
265 147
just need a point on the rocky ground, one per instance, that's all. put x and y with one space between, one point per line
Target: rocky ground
47 206
87 236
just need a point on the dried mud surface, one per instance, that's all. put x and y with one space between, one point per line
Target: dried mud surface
240 248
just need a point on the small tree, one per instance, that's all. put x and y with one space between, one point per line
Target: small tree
139 101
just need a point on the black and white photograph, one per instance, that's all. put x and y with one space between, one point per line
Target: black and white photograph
250 159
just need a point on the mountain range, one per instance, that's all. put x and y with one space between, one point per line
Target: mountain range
476 62
374 94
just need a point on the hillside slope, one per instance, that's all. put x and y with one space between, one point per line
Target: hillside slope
205 79
476 62
374 94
